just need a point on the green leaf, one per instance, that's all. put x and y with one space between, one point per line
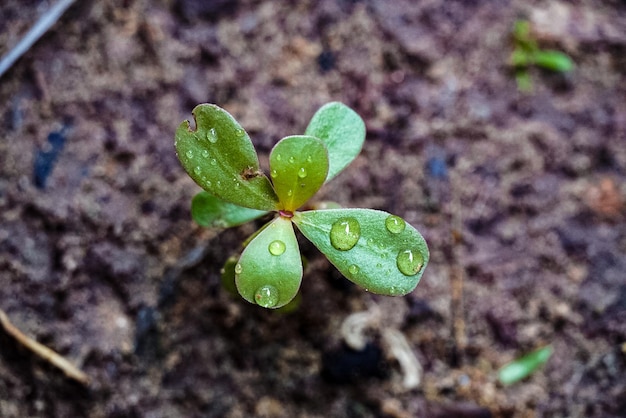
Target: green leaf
553 61
343 132
522 367
219 156
207 210
374 249
269 271
298 166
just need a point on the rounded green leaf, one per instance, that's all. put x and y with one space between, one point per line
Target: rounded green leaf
298 165
522 367
207 210
269 270
342 130
219 156
376 250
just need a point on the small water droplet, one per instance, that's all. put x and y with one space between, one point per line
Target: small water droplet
279 157
197 170
274 174
370 242
309 159
289 192
292 159
393 291
240 132
353 269
238 268
189 154
205 153
203 178
302 172
277 247
266 296
395 224
218 184
409 262
211 135
208 183
213 161
379 265
345 233
237 185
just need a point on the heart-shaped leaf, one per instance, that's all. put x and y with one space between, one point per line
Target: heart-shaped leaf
269 270
374 249
298 167
342 130
207 210
219 156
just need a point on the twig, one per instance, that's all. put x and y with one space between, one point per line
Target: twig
42 351
44 23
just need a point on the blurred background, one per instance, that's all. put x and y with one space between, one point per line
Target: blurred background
513 174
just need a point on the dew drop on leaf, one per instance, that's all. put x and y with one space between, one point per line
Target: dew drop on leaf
353 269
277 247
279 157
274 174
205 153
240 132
238 268
345 233
266 296
292 159
197 170
211 135
309 159
409 262
213 161
302 172
189 154
289 192
395 224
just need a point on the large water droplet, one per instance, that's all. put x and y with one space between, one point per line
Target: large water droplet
395 224
205 153
197 170
409 262
189 154
238 268
266 296
302 172
345 233
353 269
211 135
277 247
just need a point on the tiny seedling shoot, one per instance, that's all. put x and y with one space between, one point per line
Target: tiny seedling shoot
374 249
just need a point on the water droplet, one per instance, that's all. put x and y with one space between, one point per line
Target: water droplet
302 172
409 262
205 153
213 161
292 159
238 268
277 247
379 265
289 192
393 291
309 159
237 185
197 170
395 224
240 132
189 154
370 242
274 174
208 183
218 184
345 233
279 157
211 135
266 296
353 269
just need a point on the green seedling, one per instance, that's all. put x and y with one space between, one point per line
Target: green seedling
522 367
374 249
526 53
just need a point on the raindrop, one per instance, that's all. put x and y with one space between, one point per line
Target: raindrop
279 157
292 159
208 183
205 153
213 161
277 247
409 262
289 192
353 269
238 268
370 242
219 184
197 170
240 132
266 296
189 154
309 159
345 233
302 172
393 291
211 135
237 185
274 174
395 224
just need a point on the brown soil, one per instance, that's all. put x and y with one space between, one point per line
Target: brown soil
520 196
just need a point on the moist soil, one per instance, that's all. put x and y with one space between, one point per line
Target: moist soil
520 196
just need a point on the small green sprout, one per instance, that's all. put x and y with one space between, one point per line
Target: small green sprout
372 248
522 367
527 53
